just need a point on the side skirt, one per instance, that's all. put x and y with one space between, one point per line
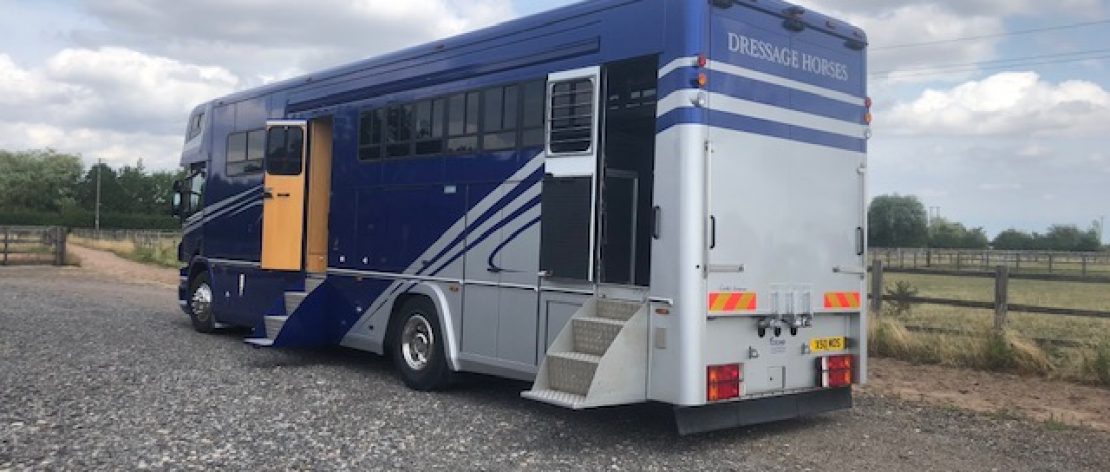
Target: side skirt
703 419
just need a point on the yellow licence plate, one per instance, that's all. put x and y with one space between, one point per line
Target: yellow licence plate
839 343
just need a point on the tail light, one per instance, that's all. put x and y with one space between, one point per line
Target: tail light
724 381
834 371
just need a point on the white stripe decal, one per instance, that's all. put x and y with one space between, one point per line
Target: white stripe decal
784 82
677 64
763 111
683 98
686 97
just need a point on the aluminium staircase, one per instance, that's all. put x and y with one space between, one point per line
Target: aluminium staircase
293 300
598 359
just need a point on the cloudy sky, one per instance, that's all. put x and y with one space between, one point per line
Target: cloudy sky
1011 129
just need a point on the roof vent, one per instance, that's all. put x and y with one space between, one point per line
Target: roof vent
793 20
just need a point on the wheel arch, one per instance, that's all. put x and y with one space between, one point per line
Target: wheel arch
435 294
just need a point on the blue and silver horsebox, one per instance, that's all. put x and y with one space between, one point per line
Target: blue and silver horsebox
620 200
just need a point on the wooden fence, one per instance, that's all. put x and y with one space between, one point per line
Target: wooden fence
1000 305
32 245
141 238
1042 265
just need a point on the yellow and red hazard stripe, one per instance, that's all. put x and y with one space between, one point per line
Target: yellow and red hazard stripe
842 300
732 302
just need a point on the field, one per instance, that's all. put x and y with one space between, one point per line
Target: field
1072 348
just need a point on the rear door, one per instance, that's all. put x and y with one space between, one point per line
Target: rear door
784 186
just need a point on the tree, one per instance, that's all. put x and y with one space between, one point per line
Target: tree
112 196
1071 238
897 221
1014 240
944 234
40 181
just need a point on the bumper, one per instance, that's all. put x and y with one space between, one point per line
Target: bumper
702 419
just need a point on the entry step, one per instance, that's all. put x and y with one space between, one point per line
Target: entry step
557 398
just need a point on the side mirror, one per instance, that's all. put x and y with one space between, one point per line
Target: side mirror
175 199
175 209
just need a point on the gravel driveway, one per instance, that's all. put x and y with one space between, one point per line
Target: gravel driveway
95 374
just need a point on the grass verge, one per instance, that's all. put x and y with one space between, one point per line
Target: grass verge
162 254
986 350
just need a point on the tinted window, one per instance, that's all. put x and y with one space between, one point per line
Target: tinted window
195 123
462 122
245 151
501 108
284 151
237 147
370 135
429 126
398 131
456 117
533 98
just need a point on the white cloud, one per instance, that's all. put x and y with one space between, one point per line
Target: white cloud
137 67
1004 104
111 103
158 151
971 7
260 41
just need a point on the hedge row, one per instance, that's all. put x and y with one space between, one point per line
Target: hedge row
86 219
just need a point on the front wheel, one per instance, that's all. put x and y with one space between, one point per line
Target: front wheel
200 304
418 349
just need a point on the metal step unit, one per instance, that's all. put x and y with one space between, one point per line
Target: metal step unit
598 359
293 301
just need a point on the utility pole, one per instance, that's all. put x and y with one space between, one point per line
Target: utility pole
1101 229
99 164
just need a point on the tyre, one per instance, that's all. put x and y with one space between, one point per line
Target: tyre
417 347
200 304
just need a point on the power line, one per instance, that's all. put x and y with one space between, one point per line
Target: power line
995 61
993 35
943 71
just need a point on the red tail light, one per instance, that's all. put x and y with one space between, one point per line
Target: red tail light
834 371
724 381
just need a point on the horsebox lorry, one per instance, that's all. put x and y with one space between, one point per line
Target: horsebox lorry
620 201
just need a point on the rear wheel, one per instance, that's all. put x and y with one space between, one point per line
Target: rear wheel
200 304
417 347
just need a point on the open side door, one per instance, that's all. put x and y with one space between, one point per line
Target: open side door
283 210
568 239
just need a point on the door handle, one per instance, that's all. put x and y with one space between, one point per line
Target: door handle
283 195
657 222
712 232
859 241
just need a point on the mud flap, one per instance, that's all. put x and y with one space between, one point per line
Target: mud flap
703 419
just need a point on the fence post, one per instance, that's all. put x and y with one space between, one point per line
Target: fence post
5 246
1084 258
1050 263
1001 298
928 257
59 246
877 285
959 260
